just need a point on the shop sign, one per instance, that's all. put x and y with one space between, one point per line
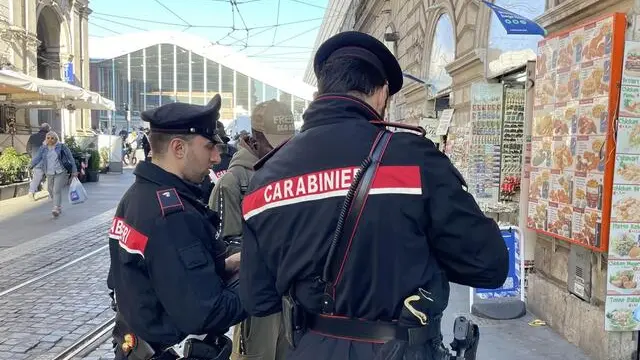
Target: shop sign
445 122
68 73
514 23
430 125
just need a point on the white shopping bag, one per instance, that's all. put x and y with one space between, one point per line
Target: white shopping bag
77 193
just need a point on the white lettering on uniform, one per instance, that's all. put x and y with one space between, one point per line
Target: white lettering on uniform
267 194
277 192
332 180
288 184
312 184
346 178
125 234
301 189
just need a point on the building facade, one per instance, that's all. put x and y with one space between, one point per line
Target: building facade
42 38
452 44
139 73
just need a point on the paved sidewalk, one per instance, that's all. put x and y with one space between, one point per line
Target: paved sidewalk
22 219
511 339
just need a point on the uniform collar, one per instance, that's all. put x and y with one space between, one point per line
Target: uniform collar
155 174
335 108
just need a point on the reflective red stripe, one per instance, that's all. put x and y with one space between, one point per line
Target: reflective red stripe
130 239
329 183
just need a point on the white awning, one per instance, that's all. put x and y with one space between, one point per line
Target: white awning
27 91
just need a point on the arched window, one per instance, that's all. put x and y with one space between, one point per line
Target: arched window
443 52
505 51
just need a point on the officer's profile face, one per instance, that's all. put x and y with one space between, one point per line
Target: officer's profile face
199 155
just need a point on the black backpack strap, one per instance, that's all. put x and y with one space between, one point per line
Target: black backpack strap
347 222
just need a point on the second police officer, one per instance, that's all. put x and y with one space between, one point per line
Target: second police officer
174 285
353 231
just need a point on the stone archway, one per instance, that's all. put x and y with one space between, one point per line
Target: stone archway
53 33
441 51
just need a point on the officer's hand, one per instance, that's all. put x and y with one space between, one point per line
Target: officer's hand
232 263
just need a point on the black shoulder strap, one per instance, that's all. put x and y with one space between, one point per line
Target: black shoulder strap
347 222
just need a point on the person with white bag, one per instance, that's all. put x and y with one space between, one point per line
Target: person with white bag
57 165
77 193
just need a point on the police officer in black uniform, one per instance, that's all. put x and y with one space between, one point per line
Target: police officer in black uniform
175 289
366 275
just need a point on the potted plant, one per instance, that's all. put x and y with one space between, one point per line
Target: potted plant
79 156
93 169
14 179
104 160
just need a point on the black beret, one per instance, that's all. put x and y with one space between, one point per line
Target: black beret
365 47
183 118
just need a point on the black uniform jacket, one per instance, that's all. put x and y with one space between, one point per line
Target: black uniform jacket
167 265
419 226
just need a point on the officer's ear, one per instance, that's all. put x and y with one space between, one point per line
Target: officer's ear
380 98
178 146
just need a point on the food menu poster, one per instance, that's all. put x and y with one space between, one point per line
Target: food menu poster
622 307
572 145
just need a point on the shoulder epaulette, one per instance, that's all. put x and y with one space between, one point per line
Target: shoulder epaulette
169 201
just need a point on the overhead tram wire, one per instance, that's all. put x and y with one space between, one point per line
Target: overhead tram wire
285 40
173 12
122 17
234 6
308 4
275 31
104 28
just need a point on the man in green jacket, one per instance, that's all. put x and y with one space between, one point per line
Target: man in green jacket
271 125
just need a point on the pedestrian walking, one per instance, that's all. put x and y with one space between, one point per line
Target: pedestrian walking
272 123
58 165
33 146
175 288
354 231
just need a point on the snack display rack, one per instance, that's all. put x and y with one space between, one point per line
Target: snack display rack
512 143
457 147
573 145
486 135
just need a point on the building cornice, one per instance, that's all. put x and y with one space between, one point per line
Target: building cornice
367 13
465 61
572 12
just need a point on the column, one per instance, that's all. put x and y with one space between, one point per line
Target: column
86 62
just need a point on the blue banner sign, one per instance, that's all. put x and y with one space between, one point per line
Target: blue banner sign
68 73
512 286
514 23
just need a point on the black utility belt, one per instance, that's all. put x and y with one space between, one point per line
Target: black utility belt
372 331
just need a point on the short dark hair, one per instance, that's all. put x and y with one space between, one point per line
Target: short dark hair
342 75
159 142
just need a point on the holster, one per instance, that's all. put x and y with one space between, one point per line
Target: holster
219 349
234 244
141 350
294 320
466 337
